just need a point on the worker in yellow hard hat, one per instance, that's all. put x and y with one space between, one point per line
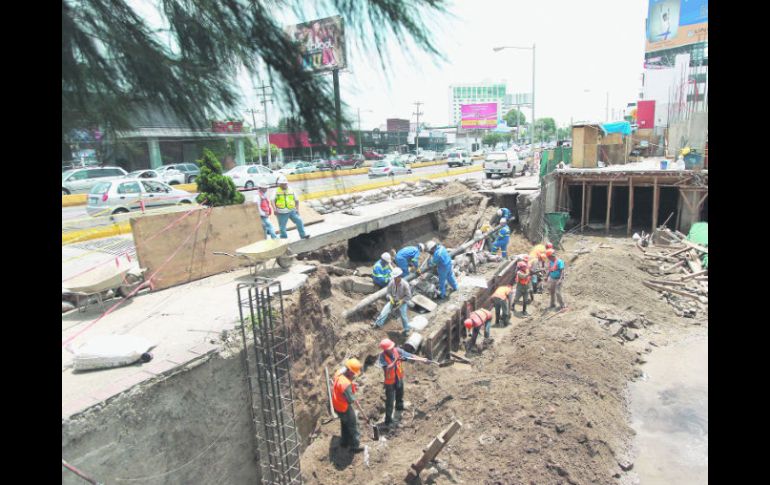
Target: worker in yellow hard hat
343 396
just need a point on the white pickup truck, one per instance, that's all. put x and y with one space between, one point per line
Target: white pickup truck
502 164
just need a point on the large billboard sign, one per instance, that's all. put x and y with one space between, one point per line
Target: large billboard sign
478 116
675 23
322 43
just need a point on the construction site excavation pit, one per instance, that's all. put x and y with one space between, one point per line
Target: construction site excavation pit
544 403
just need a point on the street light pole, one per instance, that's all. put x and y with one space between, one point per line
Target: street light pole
532 131
360 144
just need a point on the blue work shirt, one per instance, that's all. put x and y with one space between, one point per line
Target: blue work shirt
441 257
411 254
504 233
381 272
555 268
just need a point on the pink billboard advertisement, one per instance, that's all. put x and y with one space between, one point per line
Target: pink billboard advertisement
478 116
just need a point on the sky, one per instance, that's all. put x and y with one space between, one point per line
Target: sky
584 50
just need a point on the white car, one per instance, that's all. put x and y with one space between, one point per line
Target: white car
426 156
248 176
82 180
297 167
129 194
458 158
502 164
171 177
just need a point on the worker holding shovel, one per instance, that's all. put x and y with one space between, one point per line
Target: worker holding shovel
390 361
343 396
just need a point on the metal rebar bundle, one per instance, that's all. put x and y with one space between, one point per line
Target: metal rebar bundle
267 362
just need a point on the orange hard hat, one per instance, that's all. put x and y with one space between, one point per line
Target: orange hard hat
387 344
549 252
468 323
353 365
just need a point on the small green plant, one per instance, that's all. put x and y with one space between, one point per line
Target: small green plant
215 189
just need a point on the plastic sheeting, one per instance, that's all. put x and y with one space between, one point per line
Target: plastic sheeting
699 234
623 127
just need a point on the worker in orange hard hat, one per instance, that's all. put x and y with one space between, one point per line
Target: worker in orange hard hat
390 360
502 299
522 286
343 395
538 268
475 320
555 278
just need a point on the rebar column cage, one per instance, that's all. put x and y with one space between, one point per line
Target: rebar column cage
267 363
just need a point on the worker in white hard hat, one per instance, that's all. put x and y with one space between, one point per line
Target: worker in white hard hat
503 238
399 294
502 213
382 270
265 209
286 206
409 257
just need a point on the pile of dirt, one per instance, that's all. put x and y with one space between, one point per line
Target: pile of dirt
451 189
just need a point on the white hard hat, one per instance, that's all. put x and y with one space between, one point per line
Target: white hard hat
396 272
262 185
282 180
503 220
477 234
421 246
431 245
386 257
499 212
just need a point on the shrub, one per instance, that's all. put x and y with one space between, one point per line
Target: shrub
215 189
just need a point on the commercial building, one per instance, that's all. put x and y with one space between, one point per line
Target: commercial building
397 124
484 92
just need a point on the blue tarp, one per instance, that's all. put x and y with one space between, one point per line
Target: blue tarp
617 127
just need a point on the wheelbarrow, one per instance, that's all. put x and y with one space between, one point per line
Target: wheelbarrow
260 253
98 282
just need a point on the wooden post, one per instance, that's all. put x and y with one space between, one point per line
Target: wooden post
588 207
559 197
630 204
655 194
583 208
609 205
433 450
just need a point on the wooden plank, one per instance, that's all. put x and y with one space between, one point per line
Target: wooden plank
609 206
459 357
630 205
700 298
694 275
583 208
588 207
655 201
433 449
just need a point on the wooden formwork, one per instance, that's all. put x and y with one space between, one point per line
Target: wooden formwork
446 336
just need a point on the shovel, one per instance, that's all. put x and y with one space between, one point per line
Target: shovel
422 359
375 429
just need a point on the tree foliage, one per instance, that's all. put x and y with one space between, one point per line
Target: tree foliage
514 114
113 58
492 139
545 129
215 189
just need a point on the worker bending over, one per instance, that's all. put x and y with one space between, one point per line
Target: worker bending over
522 287
502 213
555 278
503 238
475 320
391 360
443 262
399 294
382 271
343 395
409 257
502 299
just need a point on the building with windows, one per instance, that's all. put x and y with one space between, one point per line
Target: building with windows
397 124
484 92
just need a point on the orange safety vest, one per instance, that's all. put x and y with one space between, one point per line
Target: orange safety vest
480 316
341 383
264 204
523 280
396 370
502 292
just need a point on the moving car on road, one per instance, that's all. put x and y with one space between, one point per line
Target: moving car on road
386 167
128 194
372 155
248 176
459 159
190 171
299 166
171 177
341 162
502 163
82 180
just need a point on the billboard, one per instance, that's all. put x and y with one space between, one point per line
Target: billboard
478 116
322 43
675 23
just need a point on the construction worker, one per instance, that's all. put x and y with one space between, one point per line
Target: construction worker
522 286
503 238
265 209
390 361
382 271
475 320
555 278
502 213
286 207
409 257
399 294
443 262
343 395
537 269
502 299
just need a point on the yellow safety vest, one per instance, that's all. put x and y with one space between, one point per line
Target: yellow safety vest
284 199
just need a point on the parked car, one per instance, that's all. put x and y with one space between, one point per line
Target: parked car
82 180
458 158
372 155
171 177
340 162
479 153
426 156
190 170
299 166
129 194
502 163
248 176
383 168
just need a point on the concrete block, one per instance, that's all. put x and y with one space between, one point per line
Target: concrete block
363 285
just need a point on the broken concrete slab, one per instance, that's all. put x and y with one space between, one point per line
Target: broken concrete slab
424 302
357 284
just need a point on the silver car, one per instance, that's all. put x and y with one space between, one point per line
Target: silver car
124 195
248 176
168 176
82 180
382 168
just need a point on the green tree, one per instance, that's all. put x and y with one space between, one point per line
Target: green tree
514 114
114 58
215 189
545 129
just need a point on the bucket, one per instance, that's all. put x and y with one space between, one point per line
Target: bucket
664 164
412 345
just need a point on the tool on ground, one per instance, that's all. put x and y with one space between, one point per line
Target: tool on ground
329 392
433 449
375 429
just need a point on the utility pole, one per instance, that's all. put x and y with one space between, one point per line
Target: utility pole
531 140
607 109
264 102
256 136
417 128
360 142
